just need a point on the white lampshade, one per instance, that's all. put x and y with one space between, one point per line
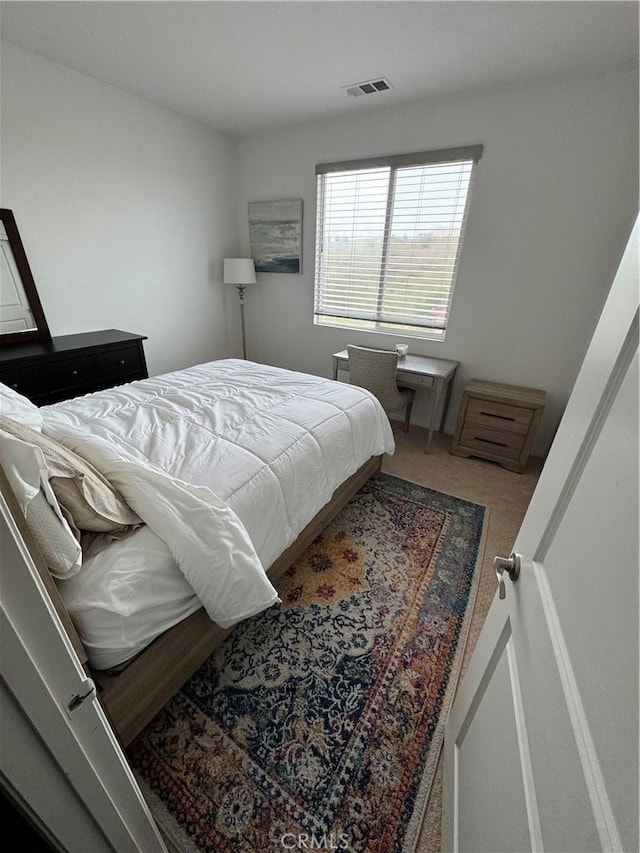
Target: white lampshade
239 271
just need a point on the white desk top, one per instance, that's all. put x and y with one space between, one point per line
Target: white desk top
441 368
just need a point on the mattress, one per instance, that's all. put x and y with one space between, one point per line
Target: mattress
266 446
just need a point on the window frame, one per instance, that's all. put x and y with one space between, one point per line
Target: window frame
471 153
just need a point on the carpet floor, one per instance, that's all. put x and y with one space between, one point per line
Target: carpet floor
322 718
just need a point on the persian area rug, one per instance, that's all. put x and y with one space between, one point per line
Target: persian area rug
318 723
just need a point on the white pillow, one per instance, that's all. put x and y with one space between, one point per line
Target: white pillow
26 472
14 405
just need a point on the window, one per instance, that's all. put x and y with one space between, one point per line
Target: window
388 240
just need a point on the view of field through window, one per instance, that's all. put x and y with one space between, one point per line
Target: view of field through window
388 245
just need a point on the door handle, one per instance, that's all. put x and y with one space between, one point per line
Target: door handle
509 565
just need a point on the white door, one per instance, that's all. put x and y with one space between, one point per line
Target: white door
541 746
58 757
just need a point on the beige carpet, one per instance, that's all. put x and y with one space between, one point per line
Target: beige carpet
507 496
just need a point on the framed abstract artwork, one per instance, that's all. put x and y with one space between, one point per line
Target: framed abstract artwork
275 235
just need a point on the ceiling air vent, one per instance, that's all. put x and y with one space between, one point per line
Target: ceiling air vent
369 87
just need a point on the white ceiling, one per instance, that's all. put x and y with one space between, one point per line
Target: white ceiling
243 65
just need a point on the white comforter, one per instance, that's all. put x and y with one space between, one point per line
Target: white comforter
226 463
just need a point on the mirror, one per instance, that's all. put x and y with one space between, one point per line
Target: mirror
21 314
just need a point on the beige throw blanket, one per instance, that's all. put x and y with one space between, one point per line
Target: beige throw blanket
94 508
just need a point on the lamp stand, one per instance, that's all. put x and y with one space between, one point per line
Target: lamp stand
244 339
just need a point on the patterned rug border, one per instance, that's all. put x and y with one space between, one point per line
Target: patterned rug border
172 833
439 492
422 800
177 840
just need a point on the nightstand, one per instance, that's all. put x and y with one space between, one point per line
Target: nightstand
498 422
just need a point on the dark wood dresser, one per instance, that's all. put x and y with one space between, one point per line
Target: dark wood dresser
72 365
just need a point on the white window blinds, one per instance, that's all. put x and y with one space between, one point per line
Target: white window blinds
388 240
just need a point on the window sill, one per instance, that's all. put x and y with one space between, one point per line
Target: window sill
371 328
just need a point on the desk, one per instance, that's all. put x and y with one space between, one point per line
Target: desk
417 371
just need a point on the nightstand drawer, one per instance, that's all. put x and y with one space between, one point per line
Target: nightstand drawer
500 416
71 372
120 362
505 444
25 380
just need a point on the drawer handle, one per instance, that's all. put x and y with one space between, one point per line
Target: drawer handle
488 441
121 363
74 372
501 417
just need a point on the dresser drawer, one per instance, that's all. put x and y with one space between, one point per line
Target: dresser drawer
500 416
120 362
27 381
71 372
507 445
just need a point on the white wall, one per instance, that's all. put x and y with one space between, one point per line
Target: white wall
553 206
125 209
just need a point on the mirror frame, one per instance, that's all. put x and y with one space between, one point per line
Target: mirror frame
41 332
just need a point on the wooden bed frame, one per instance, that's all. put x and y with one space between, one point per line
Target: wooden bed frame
133 697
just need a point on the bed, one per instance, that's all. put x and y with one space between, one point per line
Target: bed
231 468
